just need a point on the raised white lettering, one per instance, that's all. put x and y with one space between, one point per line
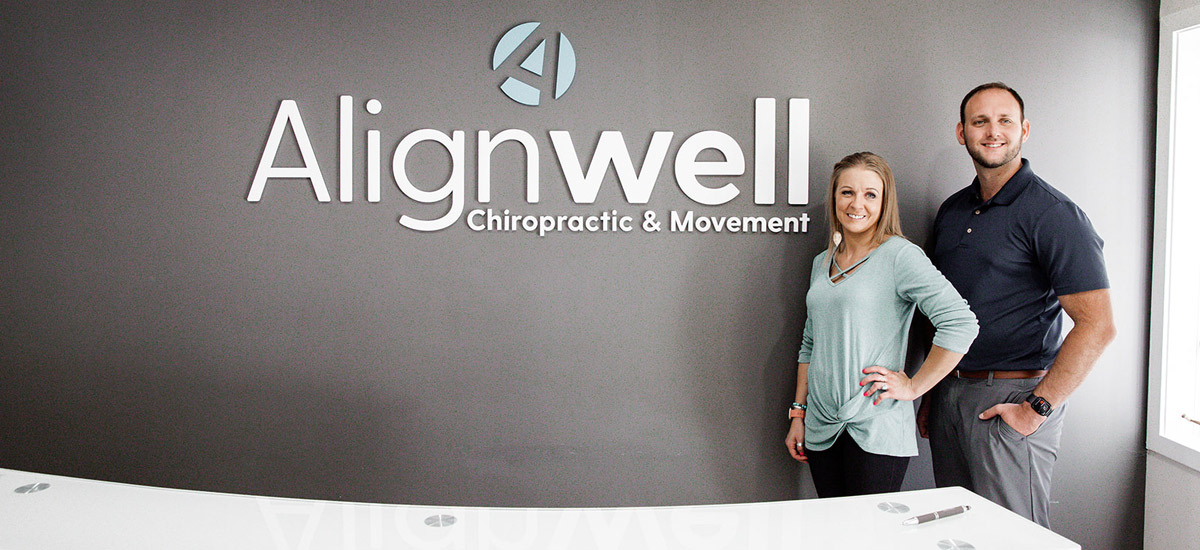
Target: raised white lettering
611 148
288 115
453 188
688 166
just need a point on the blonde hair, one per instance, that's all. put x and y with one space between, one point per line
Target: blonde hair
889 216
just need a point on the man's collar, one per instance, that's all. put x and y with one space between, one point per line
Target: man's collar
1011 188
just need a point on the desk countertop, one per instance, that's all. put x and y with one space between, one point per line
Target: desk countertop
47 512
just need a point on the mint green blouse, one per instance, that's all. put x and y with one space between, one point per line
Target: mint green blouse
863 320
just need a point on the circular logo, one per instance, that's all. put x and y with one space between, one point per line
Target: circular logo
533 62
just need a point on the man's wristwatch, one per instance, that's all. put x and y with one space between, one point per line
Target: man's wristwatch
1039 404
797 410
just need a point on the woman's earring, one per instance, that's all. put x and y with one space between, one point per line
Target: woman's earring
837 239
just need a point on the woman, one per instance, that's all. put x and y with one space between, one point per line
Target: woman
851 420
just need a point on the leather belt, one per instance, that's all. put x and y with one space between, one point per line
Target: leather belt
1000 374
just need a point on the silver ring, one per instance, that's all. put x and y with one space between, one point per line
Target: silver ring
884 388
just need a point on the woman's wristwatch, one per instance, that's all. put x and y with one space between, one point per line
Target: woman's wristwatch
797 410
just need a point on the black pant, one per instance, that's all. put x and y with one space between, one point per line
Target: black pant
845 470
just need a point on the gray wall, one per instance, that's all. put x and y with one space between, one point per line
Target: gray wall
160 329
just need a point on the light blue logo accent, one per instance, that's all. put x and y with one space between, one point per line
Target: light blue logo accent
535 63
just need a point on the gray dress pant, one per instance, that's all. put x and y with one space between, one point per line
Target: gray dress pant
989 457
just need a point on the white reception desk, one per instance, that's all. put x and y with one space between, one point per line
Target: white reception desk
46 512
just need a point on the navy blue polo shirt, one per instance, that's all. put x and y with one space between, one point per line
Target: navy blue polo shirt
1011 257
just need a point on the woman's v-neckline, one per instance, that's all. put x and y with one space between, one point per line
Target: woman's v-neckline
842 275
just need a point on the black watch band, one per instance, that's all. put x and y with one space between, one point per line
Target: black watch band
1039 404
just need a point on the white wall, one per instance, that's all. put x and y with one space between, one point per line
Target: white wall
1172 509
1174 6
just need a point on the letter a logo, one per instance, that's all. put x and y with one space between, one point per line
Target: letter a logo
534 52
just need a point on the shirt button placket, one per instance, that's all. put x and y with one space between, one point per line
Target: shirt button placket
969 229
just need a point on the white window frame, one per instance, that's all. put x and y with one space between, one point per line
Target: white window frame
1175 275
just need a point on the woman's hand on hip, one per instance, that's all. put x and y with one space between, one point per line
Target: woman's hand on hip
885 383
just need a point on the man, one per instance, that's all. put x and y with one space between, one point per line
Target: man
1021 253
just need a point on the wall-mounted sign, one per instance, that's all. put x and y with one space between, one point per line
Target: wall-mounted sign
583 177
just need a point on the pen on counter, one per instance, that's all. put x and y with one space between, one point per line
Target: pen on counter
923 518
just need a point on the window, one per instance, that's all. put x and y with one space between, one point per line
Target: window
1174 400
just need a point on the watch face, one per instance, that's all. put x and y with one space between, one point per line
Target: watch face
1040 405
